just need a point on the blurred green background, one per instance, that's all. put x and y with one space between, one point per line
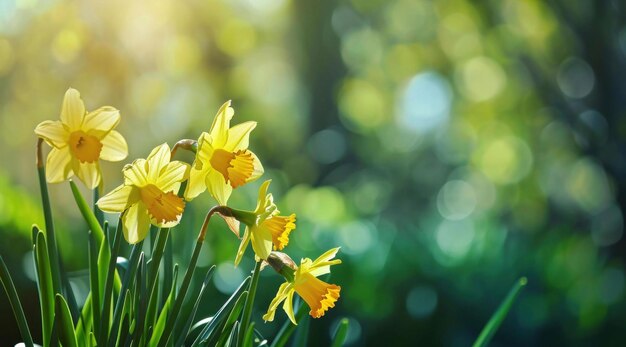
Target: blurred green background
448 147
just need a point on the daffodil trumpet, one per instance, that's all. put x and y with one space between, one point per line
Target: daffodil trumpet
266 229
318 295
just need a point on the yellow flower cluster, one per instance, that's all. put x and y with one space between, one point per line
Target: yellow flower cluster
150 191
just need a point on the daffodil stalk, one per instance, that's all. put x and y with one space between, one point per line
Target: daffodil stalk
47 213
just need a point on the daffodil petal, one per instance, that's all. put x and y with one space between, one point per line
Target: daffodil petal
261 239
217 186
119 199
136 223
239 136
135 173
114 147
58 165
73 109
221 122
89 173
281 295
103 119
157 161
322 264
196 183
53 132
242 246
173 174
288 307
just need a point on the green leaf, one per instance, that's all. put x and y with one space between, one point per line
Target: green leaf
94 283
64 323
222 313
232 337
51 243
16 305
494 323
171 321
288 328
341 333
190 311
230 321
85 322
247 340
46 291
129 278
302 333
108 287
249 303
160 325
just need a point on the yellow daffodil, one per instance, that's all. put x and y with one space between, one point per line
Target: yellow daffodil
319 295
80 139
148 195
264 227
223 161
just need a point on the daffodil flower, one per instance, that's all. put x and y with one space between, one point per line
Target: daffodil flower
80 139
148 195
223 161
319 295
264 227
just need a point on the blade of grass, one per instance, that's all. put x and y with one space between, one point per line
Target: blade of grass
249 303
16 305
231 320
94 284
288 328
221 313
64 323
302 333
160 324
46 292
190 312
47 214
494 323
341 333
129 277
104 256
108 288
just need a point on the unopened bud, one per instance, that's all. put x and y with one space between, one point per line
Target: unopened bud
282 264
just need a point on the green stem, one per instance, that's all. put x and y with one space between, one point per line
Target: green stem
47 214
247 311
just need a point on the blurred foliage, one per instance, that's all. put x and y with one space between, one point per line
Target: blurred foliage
449 147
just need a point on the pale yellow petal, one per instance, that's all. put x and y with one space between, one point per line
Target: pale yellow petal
196 183
58 165
218 187
114 147
136 222
157 161
288 307
89 173
171 177
280 296
73 110
221 123
261 239
53 132
239 136
205 151
242 246
119 199
322 264
103 119
135 173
